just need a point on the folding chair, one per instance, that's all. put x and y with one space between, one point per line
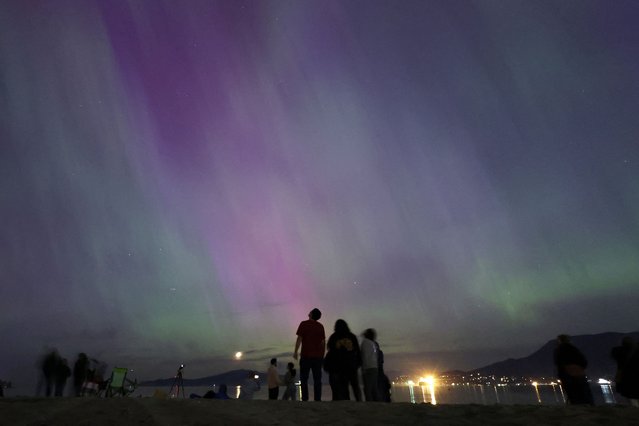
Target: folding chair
118 384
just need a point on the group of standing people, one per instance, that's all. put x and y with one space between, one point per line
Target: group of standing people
344 357
571 370
274 381
55 372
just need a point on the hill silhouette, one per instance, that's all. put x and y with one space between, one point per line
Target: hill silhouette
596 348
231 378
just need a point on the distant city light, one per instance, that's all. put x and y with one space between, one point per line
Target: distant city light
430 380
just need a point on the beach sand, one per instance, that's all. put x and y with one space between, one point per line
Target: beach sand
150 411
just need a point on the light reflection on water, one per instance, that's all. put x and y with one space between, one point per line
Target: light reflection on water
608 394
533 393
545 394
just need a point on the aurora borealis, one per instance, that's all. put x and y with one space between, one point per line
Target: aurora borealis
184 180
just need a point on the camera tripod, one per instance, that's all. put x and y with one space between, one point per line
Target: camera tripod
178 383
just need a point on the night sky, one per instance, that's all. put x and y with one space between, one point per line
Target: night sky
181 180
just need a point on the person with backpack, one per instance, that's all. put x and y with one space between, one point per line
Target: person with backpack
342 362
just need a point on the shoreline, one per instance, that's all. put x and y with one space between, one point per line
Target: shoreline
151 412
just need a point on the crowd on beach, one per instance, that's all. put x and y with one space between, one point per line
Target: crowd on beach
341 357
86 375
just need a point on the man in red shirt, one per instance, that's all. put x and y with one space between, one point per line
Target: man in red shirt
310 335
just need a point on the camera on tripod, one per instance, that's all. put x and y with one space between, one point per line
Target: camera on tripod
178 384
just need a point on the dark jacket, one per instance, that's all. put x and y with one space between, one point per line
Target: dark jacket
80 370
343 354
569 360
627 377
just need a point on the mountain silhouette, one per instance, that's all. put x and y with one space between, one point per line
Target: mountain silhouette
230 378
596 348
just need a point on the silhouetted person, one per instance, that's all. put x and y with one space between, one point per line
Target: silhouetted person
342 362
370 365
383 383
571 370
250 385
62 373
222 392
289 382
4 385
311 336
40 383
210 394
627 378
273 380
80 373
49 369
